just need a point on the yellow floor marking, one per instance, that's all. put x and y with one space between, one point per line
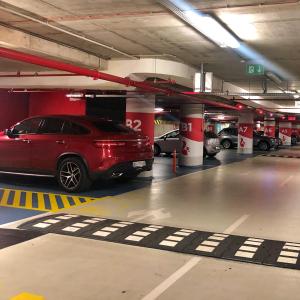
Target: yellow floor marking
5 197
65 201
41 198
27 296
41 201
53 203
28 202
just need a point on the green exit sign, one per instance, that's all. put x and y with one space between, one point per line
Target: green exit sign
255 69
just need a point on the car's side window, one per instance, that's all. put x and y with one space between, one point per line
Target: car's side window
73 128
30 126
51 126
173 134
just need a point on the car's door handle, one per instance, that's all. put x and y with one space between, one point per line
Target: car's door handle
60 142
26 141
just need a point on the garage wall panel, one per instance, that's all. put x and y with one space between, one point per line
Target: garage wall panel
49 103
13 108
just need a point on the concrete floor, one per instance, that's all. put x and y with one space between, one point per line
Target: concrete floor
256 197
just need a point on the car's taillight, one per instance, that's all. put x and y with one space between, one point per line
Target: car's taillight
108 144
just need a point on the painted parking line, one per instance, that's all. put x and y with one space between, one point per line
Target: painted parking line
200 243
41 201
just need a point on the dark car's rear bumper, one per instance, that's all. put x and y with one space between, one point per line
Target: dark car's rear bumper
123 168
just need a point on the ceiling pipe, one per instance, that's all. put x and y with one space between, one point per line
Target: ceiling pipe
36 75
58 65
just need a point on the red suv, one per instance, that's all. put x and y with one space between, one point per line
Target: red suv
75 149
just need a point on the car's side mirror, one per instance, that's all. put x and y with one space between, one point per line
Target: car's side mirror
8 132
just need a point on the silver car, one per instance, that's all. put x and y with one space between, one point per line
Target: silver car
169 141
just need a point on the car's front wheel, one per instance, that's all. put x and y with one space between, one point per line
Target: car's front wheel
227 144
72 175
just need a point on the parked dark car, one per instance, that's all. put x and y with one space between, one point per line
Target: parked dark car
169 141
75 149
278 140
229 139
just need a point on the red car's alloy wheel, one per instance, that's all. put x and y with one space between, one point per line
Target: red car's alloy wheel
70 175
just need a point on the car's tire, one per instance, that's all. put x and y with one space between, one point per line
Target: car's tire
212 154
263 146
72 175
227 144
157 150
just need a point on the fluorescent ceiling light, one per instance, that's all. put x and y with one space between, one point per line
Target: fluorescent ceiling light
158 109
290 110
211 29
221 117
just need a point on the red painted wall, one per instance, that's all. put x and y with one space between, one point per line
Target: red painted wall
56 103
13 108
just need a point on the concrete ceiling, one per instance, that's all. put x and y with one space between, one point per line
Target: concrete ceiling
145 28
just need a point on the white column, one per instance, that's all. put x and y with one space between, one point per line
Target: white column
140 117
285 133
269 127
245 133
191 135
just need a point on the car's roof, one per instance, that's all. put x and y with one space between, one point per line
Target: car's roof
73 117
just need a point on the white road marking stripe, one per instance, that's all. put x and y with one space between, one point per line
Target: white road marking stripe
168 243
252 243
255 240
119 225
52 221
288 253
101 233
284 182
81 225
141 233
210 243
174 238
190 264
246 248
182 233
216 238
112 229
292 244
244 254
205 248
287 260
42 225
134 238
70 229
291 248
150 229
90 221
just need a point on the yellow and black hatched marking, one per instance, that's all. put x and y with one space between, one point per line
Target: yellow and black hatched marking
41 201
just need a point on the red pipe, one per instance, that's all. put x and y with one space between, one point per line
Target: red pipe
55 64
58 65
36 75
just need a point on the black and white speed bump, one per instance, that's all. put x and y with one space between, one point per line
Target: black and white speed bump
218 245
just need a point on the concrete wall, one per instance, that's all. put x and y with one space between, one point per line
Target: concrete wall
13 108
49 103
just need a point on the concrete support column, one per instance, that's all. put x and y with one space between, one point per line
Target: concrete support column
140 117
269 127
191 135
245 133
295 129
285 133
298 129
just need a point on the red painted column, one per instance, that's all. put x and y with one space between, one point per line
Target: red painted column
285 133
209 126
191 135
269 127
245 133
140 115
298 129
295 129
